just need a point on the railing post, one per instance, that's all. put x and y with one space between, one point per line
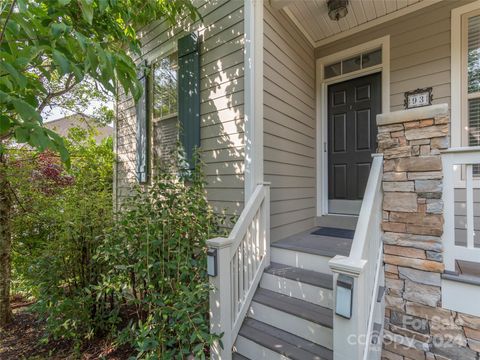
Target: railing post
266 222
448 212
221 304
349 336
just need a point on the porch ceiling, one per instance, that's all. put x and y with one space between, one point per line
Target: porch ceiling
311 16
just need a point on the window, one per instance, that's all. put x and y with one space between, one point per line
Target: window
472 68
165 85
359 62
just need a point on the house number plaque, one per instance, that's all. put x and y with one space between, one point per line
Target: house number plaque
418 98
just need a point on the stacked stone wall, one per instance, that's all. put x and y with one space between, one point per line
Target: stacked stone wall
416 325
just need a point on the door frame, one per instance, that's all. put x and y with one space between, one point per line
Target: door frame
322 105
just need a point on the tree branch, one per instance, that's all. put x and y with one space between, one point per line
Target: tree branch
68 86
2 34
6 136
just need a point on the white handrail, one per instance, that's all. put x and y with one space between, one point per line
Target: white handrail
458 165
241 259
353 338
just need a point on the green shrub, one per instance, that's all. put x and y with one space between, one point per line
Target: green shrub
138 275
156 256
60 219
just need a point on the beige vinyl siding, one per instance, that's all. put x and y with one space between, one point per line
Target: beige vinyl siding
289 124
419 51
221 109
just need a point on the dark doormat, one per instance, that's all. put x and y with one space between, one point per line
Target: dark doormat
334 232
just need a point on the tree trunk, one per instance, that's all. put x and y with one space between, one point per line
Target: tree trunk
5 244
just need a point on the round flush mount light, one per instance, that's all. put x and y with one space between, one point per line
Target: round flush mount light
337 9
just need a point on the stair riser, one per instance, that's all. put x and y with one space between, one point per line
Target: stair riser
337 221
255 351
308 330
301 260
298 290
451 300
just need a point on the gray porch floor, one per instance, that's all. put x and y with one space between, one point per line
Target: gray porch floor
320 244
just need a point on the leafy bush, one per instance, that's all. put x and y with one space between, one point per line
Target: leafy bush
138 276
60 220
156 256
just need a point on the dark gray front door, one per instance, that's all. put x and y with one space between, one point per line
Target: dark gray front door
352 109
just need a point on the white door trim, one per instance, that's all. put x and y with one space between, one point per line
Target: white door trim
321 95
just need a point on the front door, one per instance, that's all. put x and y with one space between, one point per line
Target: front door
353 106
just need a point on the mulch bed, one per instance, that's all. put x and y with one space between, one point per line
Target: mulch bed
21 340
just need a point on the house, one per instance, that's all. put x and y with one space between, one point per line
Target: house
63 125
357 194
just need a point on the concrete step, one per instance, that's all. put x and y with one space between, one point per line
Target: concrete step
258 340
304 319
307 285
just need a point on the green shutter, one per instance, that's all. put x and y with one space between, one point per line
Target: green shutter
189 94
141 107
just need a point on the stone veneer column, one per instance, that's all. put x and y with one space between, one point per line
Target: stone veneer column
416 326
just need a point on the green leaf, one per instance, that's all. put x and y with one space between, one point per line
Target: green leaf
19 78
102 6
26 111
5 124
87 10
22 134
62 61
64 2
22 5
58 29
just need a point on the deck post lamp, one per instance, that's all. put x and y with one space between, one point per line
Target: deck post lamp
344 296
212 262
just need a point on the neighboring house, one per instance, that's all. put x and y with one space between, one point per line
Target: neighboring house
63 125
335 254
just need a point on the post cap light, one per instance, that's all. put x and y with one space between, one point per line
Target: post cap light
344 296
212 262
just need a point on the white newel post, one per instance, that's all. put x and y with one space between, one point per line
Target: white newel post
349 334
220 303
266 222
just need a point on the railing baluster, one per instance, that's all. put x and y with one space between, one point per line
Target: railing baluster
469 199
241 258
240 272
250 252
235 283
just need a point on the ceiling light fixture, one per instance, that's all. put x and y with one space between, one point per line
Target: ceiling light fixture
337 9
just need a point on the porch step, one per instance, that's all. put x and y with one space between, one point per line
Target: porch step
309 251
258 340
237 356
304 276
300 259
302 284
309 321
337 221
316 244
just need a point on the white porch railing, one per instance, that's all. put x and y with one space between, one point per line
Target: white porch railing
355 338
458 174
241 259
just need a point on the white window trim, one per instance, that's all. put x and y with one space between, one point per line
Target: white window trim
458 79
322 108
172 48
